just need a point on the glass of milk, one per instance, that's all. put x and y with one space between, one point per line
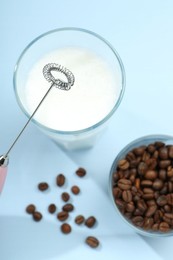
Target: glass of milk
74 119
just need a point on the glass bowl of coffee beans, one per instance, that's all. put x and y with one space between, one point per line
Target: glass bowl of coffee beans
141 185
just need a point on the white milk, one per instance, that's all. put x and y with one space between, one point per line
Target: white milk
90 99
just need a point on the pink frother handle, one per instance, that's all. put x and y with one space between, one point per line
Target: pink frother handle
3 174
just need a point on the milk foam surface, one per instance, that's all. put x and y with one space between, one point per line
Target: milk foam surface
94 94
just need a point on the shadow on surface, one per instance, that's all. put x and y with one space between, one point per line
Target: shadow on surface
23 239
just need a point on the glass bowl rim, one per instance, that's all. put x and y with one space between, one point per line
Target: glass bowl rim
101 122
120 155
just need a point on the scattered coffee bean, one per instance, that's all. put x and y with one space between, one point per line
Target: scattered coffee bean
65 228
90 222
81 172
52 208
79 219
42 186
142 187
60 180
68 207
63 215
92 241
37 216
65 196
75 189
30 209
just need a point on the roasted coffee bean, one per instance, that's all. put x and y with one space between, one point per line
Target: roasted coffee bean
155 227
52 208
159 144
81 172
170 186
170 199
130 207
115 176
137 183
68 207
60 180
163 164
146 183
151 148
164 227
90 222
92 241
164 190
124 184
151 202
37 216
167 208
63 215
130 156
138 221
65 228
150 211
148 190
162 200
142 206
30 209
65 196
170 172
145 156
151 163
169 215
42 186
170 152
158 215
75 189
151 175
79 219
142 168
120 203
148 223
139 150
117 192
123 164
127 195
148 196
158 184
163 153
162 174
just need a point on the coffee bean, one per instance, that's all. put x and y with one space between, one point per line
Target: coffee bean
65 196
37 216
163 164
90 222
130 207
158 184
162 200
148 190
159 144
127 195
68 207
148 196
142 206
169 215
79 219
148 223
137 183
124 184
63 215
92 241
170 152
151 163
139 150
65 228
130 156
60 180
117 192
138 221
151 148
151 175
170 199
155 227
42 186
75 189
52 208
170 172
162 174
81 172
120 203
167 208
30 209
164 227
150 211
123 164
163 153
142 168
146 183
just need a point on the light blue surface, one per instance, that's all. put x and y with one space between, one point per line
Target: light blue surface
141 32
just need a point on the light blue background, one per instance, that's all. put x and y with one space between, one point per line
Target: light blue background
142 34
